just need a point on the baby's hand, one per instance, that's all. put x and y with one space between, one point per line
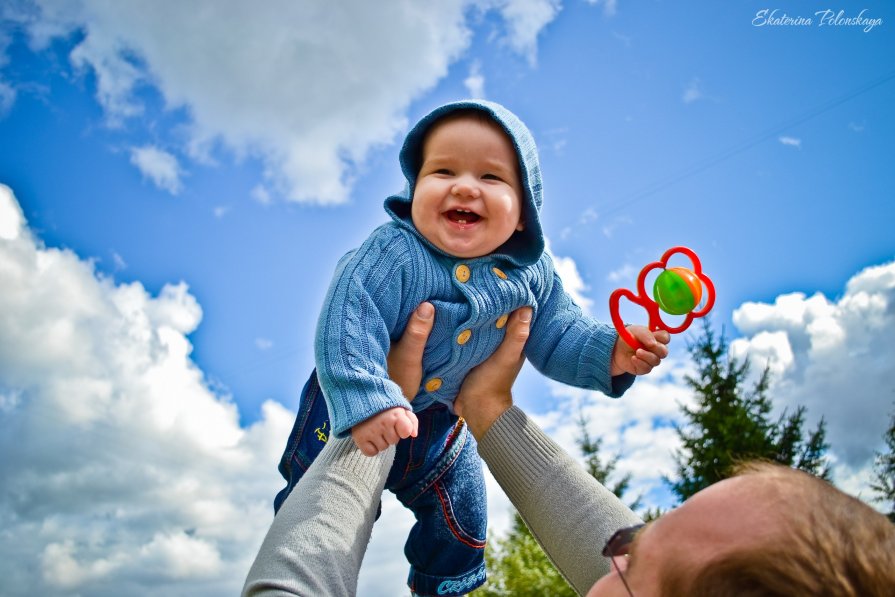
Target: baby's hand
641 361
384 429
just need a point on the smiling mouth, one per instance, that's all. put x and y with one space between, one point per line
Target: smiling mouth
462 216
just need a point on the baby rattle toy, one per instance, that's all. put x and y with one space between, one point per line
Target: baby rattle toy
676 291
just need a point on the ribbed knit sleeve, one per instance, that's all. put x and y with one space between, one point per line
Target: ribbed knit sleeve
365 305
569 346
317 540
569 513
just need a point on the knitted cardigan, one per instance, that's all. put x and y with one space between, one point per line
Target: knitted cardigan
377 286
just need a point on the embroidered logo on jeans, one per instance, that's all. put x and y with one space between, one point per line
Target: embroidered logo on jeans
321 433
463 585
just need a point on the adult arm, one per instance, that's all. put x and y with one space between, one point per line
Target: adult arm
569 513
316 542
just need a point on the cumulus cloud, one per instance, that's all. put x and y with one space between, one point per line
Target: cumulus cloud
305 87
159 166
832 356
639 425
572 281
122 471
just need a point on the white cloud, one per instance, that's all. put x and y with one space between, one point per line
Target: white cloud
628 273
638 425
610 7
7 91
118 261
572 282
260 194
7 98
159 166
832 356
693 92
475 82
122 472
791 141
525 19
263 344
306 87
12 220
616 223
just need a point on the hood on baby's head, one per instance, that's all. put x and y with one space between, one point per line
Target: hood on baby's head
524 247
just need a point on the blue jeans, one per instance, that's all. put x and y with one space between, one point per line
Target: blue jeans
437 475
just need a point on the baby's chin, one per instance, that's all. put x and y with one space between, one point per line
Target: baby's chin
471 252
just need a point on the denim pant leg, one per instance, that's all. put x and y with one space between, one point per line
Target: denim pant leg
308 436
439 477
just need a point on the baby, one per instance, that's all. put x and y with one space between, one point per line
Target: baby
465 236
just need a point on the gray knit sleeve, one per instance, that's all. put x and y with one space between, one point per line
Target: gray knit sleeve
569 513
317 541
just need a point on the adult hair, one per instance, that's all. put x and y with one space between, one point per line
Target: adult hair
828 543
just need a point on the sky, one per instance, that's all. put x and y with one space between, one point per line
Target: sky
179 179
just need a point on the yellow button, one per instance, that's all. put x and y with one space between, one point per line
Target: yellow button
499 273
464 336
433 384
502 321
462 273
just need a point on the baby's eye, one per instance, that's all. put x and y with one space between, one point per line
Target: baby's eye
443 172
491 177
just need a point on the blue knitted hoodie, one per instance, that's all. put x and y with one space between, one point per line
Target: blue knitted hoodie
377 287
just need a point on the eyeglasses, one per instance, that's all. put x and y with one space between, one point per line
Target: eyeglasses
619 544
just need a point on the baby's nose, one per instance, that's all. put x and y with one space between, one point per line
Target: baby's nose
466 189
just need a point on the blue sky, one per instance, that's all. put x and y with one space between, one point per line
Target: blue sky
182 180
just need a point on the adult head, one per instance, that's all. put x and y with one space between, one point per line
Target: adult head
769 531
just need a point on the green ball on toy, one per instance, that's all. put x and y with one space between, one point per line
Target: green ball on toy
677 291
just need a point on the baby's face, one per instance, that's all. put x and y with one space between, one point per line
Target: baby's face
466 200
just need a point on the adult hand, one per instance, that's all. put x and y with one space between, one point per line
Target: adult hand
405 359
485 393
641 361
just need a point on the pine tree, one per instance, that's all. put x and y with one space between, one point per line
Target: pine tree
593 462
517 566
731 424
884 471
